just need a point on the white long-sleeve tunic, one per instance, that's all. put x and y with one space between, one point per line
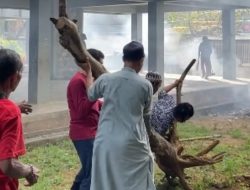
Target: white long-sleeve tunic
122 159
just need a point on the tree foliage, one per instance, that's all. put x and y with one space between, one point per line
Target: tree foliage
14 45
197 23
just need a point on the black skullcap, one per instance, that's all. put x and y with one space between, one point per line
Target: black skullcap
133 51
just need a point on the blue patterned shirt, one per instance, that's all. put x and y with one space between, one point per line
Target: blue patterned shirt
162 112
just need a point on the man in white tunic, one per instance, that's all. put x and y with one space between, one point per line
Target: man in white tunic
122 159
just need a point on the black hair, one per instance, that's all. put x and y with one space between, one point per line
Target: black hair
10 63
155 79
97 54
133 51
204 38
183 111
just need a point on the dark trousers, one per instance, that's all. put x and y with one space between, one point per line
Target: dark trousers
84 150
206 67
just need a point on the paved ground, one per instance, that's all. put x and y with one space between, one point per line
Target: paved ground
196 83
49 121
191 84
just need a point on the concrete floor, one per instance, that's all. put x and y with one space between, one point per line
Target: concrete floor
51 120
191 86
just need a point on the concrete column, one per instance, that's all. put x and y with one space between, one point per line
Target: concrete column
136 27
40 50
156 37
229 47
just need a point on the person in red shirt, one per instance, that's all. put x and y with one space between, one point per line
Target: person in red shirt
11 131
84 116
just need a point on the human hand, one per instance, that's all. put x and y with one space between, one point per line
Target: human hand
25 107
177 82
87 68
33 176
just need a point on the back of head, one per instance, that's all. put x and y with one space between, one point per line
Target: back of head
205 38
133 52
10 63
155 79
183 112
97 54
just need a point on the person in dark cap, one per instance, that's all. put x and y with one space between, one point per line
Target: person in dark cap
121 147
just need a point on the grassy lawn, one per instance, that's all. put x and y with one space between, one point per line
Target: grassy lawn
59 163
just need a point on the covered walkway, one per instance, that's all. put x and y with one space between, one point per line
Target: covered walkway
43 41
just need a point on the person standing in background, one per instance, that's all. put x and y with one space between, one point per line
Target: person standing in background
204 54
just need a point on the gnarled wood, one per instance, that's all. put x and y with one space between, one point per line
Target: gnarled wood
70 40
181 79
62 9
168 152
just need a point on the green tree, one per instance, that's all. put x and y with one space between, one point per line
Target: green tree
14 45
197 23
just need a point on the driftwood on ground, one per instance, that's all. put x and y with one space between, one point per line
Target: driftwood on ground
212 137
70 40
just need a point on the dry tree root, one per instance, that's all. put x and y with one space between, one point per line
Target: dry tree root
172 164
70 40
168 152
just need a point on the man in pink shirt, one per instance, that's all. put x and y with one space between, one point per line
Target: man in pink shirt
84 116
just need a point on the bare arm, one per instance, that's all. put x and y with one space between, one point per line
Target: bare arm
9 164
16 169
199 51
87 69
168 88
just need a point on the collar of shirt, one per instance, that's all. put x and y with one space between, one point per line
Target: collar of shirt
128 69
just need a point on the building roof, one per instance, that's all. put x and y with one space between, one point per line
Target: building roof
139 5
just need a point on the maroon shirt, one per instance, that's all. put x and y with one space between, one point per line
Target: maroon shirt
84 114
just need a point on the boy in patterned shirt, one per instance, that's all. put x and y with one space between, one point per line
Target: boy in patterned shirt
165 111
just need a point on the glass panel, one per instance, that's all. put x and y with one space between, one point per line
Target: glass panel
14 34
108 33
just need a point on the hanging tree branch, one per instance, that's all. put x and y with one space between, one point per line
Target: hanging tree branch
70 40
62 9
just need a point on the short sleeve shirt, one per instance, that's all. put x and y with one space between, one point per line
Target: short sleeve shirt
162 112
11 139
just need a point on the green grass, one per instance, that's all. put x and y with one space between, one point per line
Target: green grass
54 161
59 163
188 130
237 134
